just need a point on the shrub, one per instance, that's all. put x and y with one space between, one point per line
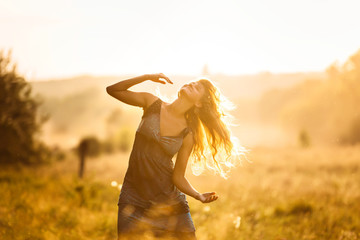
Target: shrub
19 119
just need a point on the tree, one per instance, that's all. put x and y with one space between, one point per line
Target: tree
19 119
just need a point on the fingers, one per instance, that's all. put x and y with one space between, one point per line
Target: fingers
159 81
210 193
165 77
168 80
211 197
158 78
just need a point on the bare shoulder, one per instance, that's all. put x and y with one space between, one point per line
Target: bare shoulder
149 99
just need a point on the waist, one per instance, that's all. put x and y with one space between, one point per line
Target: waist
172 204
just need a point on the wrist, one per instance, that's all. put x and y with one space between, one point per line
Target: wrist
146 76
197 196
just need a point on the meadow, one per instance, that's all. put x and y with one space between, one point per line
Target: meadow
299 118
283 194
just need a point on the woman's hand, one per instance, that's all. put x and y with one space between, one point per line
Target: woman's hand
156 78
207 197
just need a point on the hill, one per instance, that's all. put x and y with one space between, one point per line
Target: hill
247 86
75 101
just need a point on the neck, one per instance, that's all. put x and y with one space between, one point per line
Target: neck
180 106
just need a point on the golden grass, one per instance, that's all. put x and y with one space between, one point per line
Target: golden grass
284 194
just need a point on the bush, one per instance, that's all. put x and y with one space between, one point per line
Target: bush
19 119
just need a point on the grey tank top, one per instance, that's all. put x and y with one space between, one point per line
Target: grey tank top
148 179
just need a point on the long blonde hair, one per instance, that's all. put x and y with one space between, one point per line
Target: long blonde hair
215 147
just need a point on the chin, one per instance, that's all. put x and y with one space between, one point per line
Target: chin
185 95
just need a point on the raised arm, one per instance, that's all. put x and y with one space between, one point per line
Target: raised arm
142 99
179 178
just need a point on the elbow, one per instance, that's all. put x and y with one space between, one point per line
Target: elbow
108 89
111 90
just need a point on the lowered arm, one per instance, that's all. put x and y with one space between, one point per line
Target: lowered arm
179 178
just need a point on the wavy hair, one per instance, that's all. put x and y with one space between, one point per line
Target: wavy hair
215 147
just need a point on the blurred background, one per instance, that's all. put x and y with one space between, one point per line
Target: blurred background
292 69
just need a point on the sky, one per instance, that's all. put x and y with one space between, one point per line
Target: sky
56 39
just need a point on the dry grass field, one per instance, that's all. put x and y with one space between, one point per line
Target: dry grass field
284 194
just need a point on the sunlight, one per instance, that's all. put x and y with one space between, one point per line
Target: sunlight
124 38
279 132
114 184
237 222
206 209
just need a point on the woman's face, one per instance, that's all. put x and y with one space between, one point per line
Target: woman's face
193 91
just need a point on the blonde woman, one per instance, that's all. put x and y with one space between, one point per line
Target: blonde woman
153 196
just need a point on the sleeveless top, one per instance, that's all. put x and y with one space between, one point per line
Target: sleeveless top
148 179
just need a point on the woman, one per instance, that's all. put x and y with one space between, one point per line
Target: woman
153 197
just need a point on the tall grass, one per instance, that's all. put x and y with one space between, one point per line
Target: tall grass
292 193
